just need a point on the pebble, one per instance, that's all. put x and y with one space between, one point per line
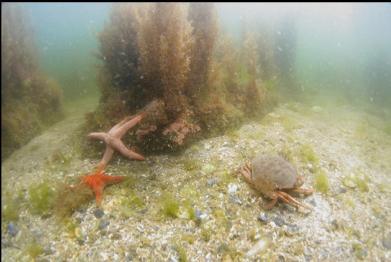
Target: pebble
198 214
232 188
291 230
387 241
263 218
278 221
235 199
98 213
103 224
212 181
336 224
12 229
341 190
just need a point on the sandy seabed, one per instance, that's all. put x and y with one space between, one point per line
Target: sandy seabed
218 216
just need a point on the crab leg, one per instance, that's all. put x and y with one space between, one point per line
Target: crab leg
272 203
246 173
283 198
304 191
290 200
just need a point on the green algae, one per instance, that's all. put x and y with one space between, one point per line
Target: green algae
226 177
287 153
190 164
190 210
170 206
362 181
11 206
289 124
133 200
188 238
34 250
228 252
349 202
206 233
321 182
41 198
188 192
221 219
385 188
308 154
130 203
358 181
70 227
232 134
129 182
182 254
358 251
67 199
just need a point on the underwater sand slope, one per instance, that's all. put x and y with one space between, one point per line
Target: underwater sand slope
190 206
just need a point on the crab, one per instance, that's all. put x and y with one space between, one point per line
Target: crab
274 177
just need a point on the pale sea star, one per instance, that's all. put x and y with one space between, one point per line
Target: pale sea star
113 140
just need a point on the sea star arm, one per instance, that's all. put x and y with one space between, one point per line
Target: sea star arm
106 158
120 147
119 131
98 190
118 125
109 180
97 135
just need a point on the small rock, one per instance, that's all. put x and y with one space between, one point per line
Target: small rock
278 221
12 229
263 218
199 215
341 190
212 181
235 199
232 188
103 224
308 257
291 230
336 224
98 213
387 241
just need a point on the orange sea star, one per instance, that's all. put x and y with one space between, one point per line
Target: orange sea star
97 182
